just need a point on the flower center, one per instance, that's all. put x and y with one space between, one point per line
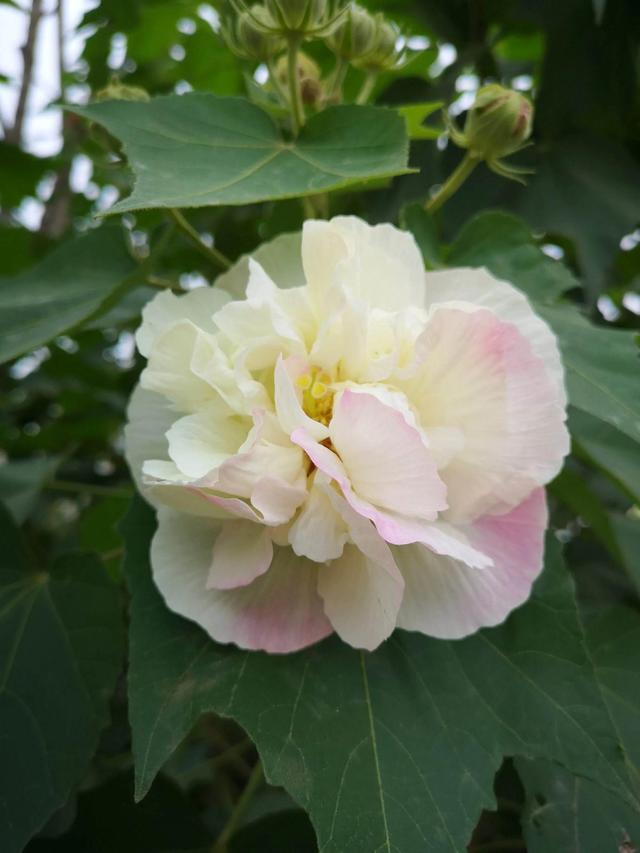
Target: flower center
317 395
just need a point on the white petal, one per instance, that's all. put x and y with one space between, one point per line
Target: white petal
361 598
319 532
241 553
149 416
447 599
379 265
481 288
169 369
166 309
200 443
278 612
280 258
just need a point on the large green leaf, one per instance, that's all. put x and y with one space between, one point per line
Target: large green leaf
602 368
566 814
61 642
504 244
199 149
394 750
68 286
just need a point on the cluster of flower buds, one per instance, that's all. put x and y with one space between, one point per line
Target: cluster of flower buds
248 39
299 19
368 41
498 124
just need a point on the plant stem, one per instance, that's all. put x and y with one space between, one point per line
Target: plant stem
453 182
14 133
337 79
295 98
231 753
254 782
367 88
209 252
161 283
88 489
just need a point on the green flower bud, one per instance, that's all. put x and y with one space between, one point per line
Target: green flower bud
383 55
248 41
355 35
498 123
297 16
117 91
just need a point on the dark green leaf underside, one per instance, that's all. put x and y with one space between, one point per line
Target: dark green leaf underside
200 149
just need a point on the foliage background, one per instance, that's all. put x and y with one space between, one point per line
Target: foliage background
66 766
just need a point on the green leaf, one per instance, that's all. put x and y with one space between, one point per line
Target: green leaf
625 531
21 482
567 814
504 244
68 286
577 815
415 115
61 634
601 366
612 451
394 750
198 149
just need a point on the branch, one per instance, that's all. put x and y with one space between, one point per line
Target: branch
14 133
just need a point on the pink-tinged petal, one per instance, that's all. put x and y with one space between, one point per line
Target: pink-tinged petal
481 289
445 598
479 375
318 531
288 400
361 598
280 611
385 458
379 266
241 553
166 309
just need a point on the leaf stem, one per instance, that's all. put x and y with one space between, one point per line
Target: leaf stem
209 252
273 76
254 782
453 182
367 88
295 98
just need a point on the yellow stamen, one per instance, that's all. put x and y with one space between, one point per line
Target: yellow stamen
318 390
304 381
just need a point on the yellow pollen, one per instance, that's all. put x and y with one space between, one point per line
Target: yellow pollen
317 396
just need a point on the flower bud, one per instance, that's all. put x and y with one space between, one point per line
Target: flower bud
297 16
355 35
117 91
498 123
383 55
309 75
248 41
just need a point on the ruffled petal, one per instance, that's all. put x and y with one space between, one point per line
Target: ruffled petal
241 553
280 611
379 266
481 289
447 599
479 375
202 442
166 309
